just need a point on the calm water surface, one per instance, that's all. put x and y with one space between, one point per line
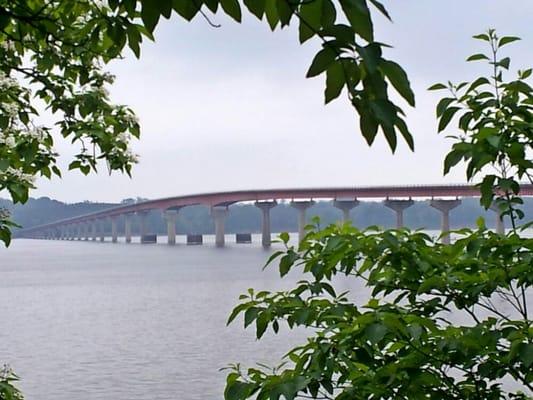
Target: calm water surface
90 320
83 320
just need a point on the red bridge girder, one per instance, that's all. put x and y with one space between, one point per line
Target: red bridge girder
226 198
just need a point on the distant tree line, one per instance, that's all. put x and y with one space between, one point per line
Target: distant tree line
247 218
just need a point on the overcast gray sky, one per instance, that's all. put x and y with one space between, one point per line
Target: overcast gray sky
230 108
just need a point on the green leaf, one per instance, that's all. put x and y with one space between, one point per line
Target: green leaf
232 8
447 117
284 12
477 83
504 62
526 354
261 324
452 159
284 236
335 81
150 15
4 21
507 39
369 127
371 56
384 112
256 7
358 14
443 105
238 390
381 9
186 8
329 14
402 127
482 36
323 59
250 315
437 86
376 332
398 79
271 12
477 57
310 19
526 73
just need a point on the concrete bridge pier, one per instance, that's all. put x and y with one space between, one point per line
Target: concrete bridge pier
398 206
87 228
94 231
143 225
345 205
301 206
114 230
102 230
171 216
444 206
266 233
79 232
500 226
219 214
127 227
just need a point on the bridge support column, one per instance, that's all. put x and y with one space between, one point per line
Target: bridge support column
345 205
114 230
102 230
444 206
500 226
219 214
266 234
398 206
301 206
79 232
94 231
143 227
87 228
127 227
171 216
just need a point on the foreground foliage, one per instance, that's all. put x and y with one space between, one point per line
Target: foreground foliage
433 328
52 54
7 390
442 321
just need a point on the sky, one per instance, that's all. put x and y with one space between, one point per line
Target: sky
230 108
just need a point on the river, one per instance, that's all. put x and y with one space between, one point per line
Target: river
90 320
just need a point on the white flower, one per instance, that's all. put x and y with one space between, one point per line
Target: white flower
7 45
6 372
107 77
6 82
124 137
11 109
21 176
10 141
131 157
102 91
38 133
131 118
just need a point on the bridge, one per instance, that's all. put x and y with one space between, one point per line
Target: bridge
398 198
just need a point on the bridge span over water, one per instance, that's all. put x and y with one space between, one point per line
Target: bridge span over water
443 197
